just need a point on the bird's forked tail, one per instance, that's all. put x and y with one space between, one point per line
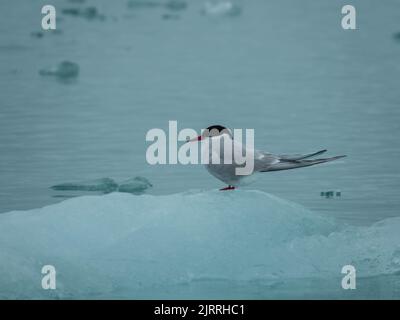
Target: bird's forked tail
286 164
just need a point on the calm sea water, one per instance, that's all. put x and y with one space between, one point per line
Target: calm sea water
285 68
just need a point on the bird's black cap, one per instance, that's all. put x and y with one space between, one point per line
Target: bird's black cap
216 127
215 130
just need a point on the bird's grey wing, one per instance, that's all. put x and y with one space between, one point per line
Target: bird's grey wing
285 164
301 156
264 161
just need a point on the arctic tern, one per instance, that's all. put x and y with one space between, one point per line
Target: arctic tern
263 161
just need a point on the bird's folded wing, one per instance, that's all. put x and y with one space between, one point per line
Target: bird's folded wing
263 161
284 164
301 156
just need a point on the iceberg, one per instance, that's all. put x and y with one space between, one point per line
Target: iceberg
125 246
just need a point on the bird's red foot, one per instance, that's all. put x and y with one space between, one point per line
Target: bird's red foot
227 188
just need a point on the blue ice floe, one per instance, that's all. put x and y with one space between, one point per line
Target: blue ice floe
136 185
121 245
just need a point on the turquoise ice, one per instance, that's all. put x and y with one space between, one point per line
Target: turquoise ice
198 244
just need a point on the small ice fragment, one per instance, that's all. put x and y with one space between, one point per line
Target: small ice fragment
37 34
221 8
176 5
105 185
327 194
64 70
134 185
331 194
87 13
90 13
70 11
167 16
138 4
396 37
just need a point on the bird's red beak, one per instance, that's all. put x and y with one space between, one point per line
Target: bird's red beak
195 139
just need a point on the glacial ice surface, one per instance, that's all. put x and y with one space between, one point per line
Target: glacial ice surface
103 245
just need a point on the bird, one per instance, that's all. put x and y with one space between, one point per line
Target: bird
219 135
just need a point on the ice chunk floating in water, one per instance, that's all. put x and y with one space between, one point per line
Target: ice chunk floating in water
173 5
136 185
176 5
221 8
192 245
89 13
139 4
105 185
64 70
396 36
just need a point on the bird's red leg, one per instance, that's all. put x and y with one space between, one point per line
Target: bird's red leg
227 188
